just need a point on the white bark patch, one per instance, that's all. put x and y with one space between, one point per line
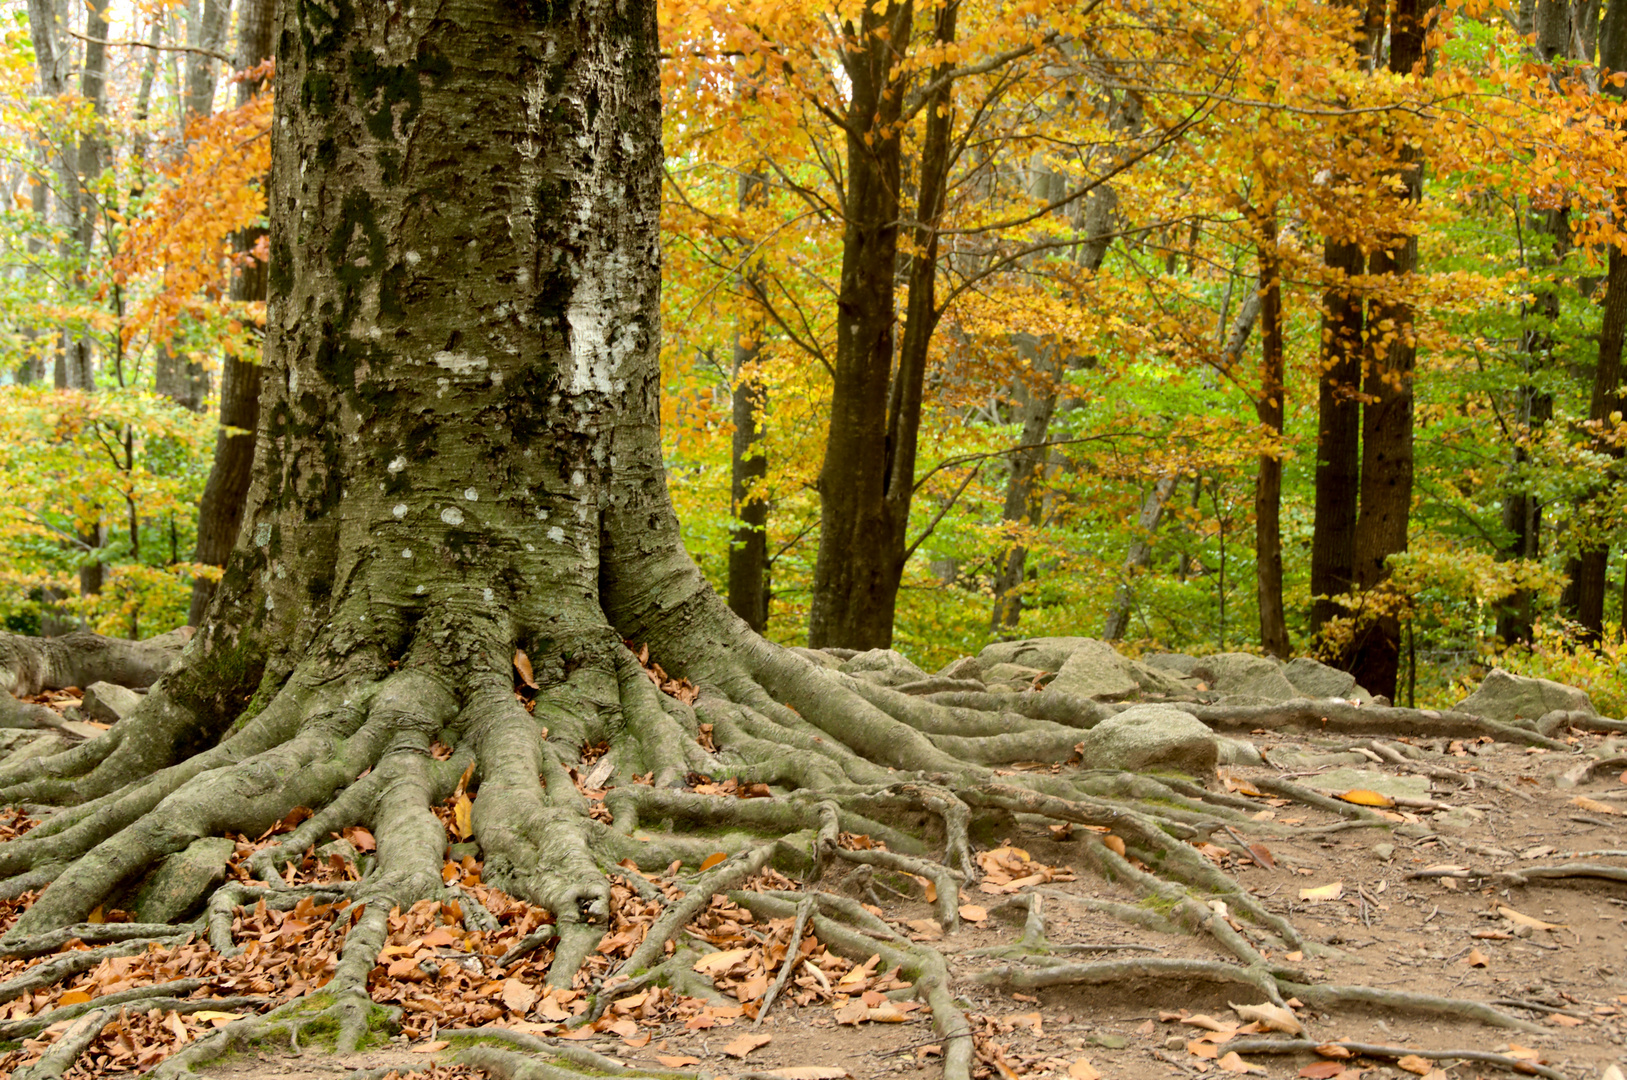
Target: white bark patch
556 534
262 534
487 594
471 494
406 553
459 363
397 465
411 258
398 511
452 516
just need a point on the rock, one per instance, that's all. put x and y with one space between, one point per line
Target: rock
967 667
1178 662
1240 752
1015 676
1108 1040
1459 819
108 703
23 744
1096 670
1383 852
1152 736
1155 680
1342 780
1509 698
883 666
1046 653
1314 679
1245 675
1305 760
818 656
183 880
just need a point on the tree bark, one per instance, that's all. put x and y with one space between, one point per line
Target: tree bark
868 478
220 511
1387 452
1589 571
748 543
1268 408
1138 557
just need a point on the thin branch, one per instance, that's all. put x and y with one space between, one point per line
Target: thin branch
212 54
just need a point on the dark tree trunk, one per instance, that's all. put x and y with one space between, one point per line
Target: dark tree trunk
1338 436
1589 571
748 544
1268 408
1387 455
220 511
868 478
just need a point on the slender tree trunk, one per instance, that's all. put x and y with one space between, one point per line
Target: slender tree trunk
1589 571
748 544
220 511
1338 435
1268 408
1392 351
1139 557
1037 411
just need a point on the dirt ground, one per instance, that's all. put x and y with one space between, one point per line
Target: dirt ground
1389 928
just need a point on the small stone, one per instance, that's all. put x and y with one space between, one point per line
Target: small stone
109 703
1108 1040
1383 852
1174 1042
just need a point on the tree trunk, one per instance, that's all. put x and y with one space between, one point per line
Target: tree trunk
1589 571
1392 351
868 478
220 511
1268 408
1338 436
1138 557
748 544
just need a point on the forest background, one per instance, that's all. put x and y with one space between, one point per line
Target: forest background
1292 327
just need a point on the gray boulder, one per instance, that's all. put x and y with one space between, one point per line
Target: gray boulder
967 667
1236 675
1096 670
1157 680
1177 662
1046 653
1314 679
1510 698
183 880
883 666
108 703
1152 736
1015 676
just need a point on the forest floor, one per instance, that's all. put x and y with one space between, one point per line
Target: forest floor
1410 908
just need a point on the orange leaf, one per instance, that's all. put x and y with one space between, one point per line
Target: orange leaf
712 860
1363 797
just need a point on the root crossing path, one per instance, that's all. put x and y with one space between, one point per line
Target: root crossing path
749 866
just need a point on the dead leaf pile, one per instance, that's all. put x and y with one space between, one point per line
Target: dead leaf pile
1009 869
682 689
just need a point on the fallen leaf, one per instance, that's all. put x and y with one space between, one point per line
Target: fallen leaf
852 1013
1232 1063
518 996
1593 806
745 1044
808 1072
1031 1020
719 962
462 811
214 1018
1437 1074
1526 920
1147 1028
973 912
433 1047
677 1061
1270 1017
1522 1053
636 1041
1114 844
1561 1020
1476 958
1613 1072
1322 1070
73 997
1333 1050
1207 1022
522 668
1294 957
1203 1049
1083 1070
1324 892
1363 797
713 859
1415 1064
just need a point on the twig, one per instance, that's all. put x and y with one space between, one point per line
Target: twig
210 53
792 956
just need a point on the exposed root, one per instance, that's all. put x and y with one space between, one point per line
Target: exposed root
1482 1057
1130 972
1525 875
66 1050
1329 996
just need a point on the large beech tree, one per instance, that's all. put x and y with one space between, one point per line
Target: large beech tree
457 457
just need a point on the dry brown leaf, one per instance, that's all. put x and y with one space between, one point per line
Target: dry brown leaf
73 997
1324 892
745 1044
1363 797
1476 958
719 962
1561 1020
1333 1050
1526 920
1031 1020
1203 1048
713 859
431 1047
1322 1070
522 667
677 1061
1114 844
1415 1064
462 811
1594 806
1437 1074
1207 1023
808 1072
1083 1070
1270 1017
518 996
973 912
1522 1053
853 1012
1232 1063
